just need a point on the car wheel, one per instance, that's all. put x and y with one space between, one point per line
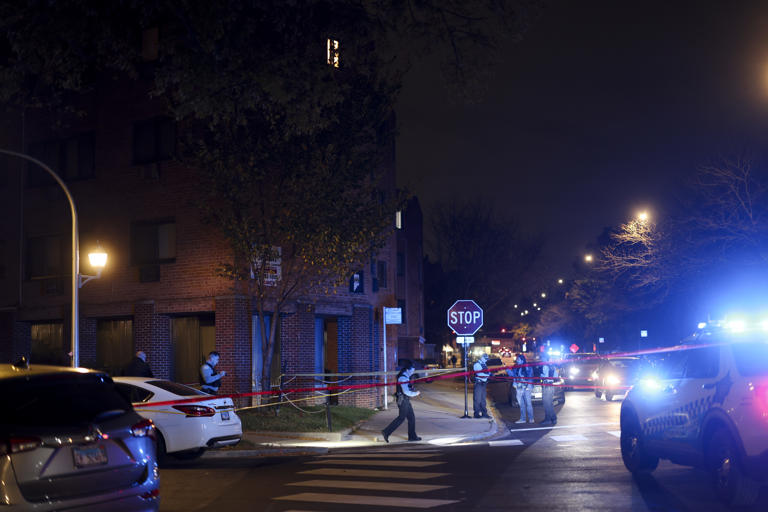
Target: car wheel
608 396
731 484
598 393
633 453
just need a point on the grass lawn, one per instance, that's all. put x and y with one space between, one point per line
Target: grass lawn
290 419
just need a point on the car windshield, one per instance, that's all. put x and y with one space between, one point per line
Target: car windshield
751 358
65 399
175 388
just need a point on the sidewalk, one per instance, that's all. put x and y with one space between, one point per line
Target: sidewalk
438 421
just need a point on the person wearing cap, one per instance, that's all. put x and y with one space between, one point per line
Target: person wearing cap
522 377
482 375
403 393
549 374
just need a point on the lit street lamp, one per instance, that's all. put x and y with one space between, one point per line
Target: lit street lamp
560 281
588 258
643 216
97 259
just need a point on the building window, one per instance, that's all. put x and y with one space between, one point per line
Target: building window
356 283
333 52
152 243
399 219
45 257
72 159
381 273
400 263
154 140
401 305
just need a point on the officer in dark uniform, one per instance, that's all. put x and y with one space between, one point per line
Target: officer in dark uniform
403 394
210 379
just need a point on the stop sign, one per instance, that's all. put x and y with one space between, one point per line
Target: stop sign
465 317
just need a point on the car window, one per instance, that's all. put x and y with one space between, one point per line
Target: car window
176 388
702 363
671 364
133 394
751 358
65 399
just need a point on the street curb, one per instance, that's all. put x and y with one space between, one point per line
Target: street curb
264 452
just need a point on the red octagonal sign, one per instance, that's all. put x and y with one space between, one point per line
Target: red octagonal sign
465 317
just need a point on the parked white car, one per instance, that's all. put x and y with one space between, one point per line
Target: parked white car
185 430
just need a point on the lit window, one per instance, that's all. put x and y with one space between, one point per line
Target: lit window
333 52
399 219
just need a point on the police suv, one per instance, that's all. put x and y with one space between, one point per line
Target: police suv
706 407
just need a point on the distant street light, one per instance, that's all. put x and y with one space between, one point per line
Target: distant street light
643 216
588 258
543 295
560 281
98 258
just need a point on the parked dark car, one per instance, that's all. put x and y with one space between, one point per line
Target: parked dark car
69 440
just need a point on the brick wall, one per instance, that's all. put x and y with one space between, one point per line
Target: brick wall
87 342
233 342
152 334
361 356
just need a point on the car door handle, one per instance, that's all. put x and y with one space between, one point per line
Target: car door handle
711 385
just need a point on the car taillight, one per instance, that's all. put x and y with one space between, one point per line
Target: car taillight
144 428
195 410
151 495
762 398
18 444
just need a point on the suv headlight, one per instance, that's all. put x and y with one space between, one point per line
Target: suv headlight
612 380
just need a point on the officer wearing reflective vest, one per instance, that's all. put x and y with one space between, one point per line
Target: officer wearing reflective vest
403 393
481 375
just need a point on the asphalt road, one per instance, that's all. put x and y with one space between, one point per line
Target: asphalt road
574 466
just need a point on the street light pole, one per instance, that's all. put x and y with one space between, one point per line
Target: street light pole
75 253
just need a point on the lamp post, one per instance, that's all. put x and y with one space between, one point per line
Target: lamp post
98 260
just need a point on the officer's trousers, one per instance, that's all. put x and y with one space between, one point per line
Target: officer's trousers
478 399
405 412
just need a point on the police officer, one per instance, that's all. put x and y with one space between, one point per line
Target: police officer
481 374
403 394
210 379
549 374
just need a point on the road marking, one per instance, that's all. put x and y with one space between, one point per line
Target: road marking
506 442
380 455
374 473
517 430
374 486
381 501
565 439
398 463
615 433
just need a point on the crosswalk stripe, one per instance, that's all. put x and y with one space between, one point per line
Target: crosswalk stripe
370 485
381 455
506 442
586 425
374 473
573 437
398 463
381 501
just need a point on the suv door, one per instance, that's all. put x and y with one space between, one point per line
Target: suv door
687 399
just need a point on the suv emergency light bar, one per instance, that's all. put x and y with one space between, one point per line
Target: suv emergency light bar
735 325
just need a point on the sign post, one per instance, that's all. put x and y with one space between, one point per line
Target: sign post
391 316
465 318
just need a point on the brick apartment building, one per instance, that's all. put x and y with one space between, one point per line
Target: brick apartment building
159 291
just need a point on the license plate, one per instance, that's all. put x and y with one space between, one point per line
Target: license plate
89 455
225 415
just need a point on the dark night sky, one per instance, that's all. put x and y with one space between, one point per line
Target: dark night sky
602 109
